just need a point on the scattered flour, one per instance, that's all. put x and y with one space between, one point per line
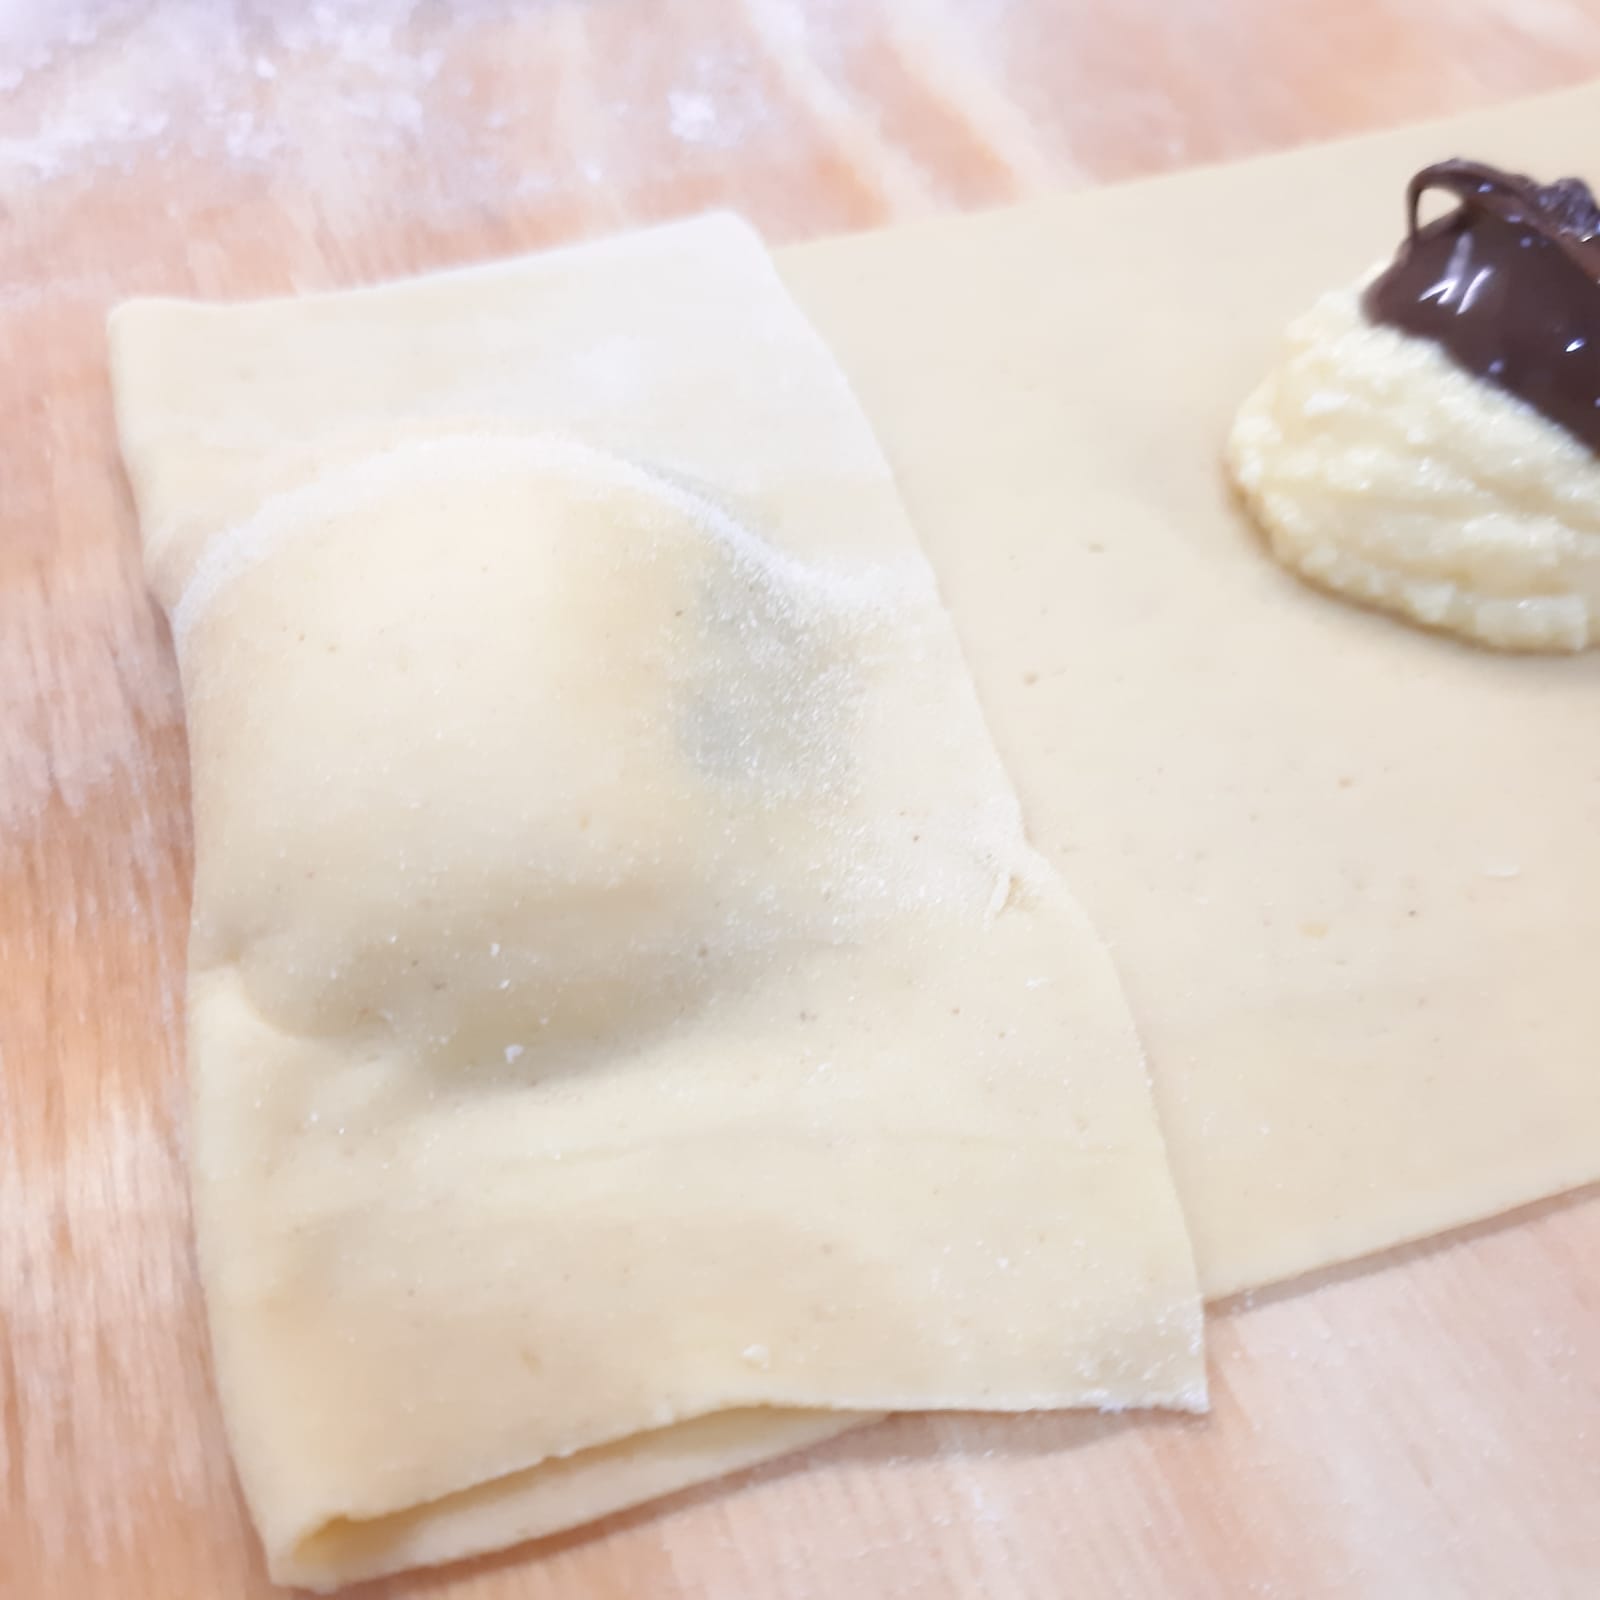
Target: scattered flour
330 91
693 117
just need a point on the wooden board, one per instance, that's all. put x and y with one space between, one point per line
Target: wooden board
1425 1426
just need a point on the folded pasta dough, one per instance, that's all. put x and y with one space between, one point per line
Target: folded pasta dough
630 1033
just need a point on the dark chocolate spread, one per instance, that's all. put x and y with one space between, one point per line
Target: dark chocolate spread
1508 285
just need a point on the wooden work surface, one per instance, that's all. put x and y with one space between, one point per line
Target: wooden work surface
1425 1426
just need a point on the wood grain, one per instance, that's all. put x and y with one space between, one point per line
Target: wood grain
1428 1427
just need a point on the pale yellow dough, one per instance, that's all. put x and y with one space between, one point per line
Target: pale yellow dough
630 1032
1350 871
1380 469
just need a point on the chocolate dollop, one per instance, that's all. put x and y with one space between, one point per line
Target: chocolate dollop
1507 284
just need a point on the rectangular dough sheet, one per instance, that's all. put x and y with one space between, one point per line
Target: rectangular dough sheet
630 1034
1350 872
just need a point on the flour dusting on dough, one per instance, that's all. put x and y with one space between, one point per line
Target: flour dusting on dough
307 506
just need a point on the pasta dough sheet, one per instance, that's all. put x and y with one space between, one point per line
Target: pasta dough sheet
630 1032
1350 872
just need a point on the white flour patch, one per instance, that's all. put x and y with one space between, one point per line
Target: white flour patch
693 117
340 98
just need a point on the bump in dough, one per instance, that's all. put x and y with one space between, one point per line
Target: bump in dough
686 699
1379 469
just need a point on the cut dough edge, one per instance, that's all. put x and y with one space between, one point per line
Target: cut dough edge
556 1496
